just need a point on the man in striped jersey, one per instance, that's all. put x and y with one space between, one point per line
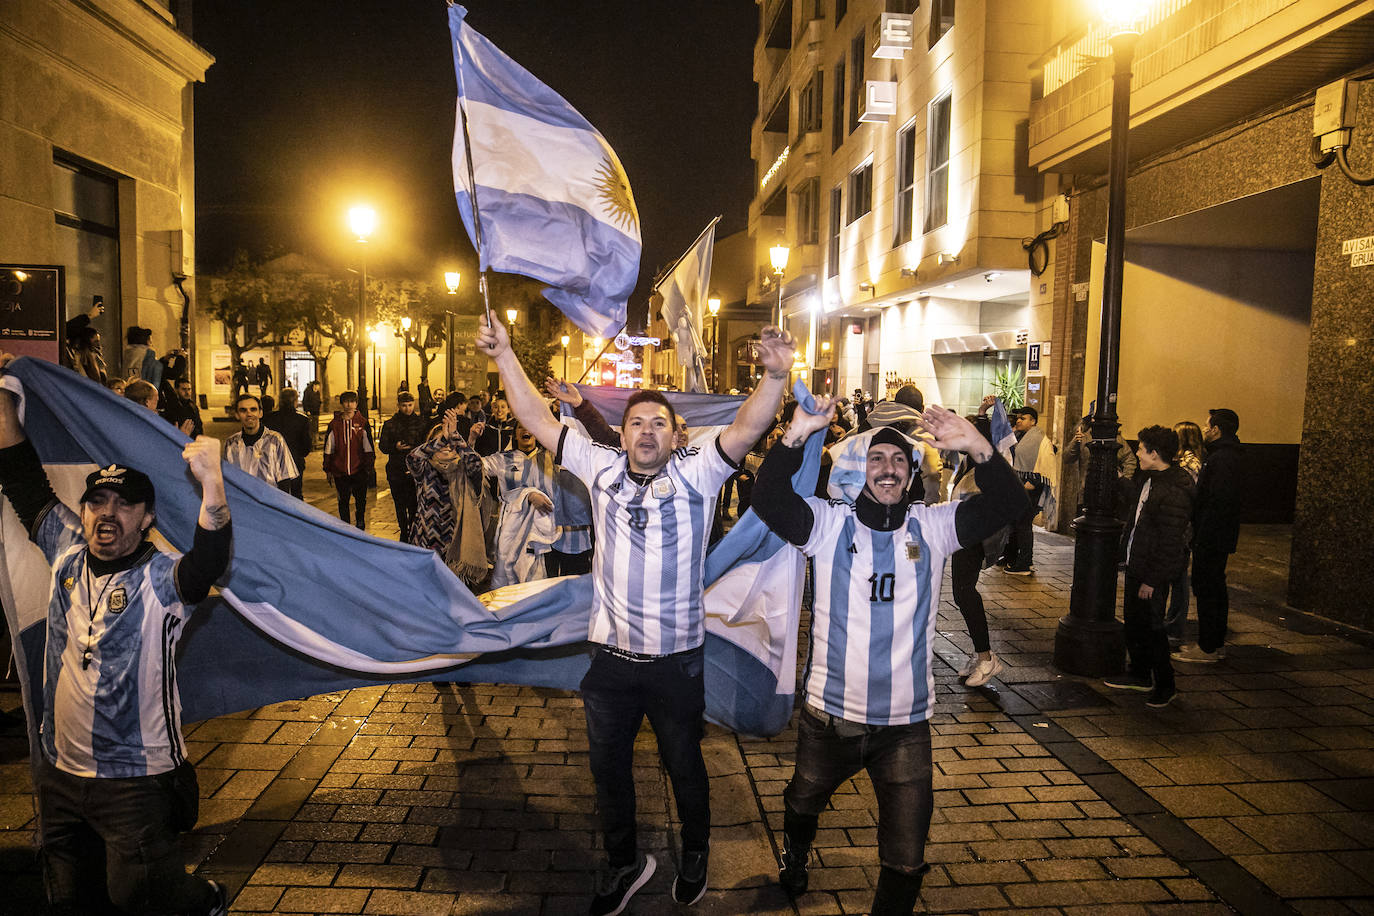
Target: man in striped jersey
652 506
868 685
114 784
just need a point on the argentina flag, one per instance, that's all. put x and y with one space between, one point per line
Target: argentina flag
311 605
552 199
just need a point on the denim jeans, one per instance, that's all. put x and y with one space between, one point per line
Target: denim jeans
897 758
115 840
352 486
617 694
1147 645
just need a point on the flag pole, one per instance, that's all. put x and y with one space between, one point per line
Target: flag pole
663 274
472 191
604 348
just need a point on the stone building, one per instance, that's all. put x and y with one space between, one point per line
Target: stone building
1244 285
97 161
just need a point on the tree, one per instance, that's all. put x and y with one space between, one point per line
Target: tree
426 306
315 301
533 339
252 318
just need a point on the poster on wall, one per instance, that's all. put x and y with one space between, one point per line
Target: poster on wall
30 297
222 370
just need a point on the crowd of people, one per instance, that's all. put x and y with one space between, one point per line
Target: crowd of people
505 491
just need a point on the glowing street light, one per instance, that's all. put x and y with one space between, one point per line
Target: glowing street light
405 346
565 340
778 255
451 280
713 306
362 222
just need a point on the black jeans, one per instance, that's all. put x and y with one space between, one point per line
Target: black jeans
616 696
897 758
1147 643
293 486
1213 601
404 496
1020 551
115 841
557 563
964 566
352 486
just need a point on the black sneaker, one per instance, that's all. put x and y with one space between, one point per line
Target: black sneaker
619 885
1020 570
1130 682
792 873
221 905
1159 698
690 884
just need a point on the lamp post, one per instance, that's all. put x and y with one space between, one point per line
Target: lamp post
451 280
1089 639
713 306
405 346
778 255
565 340
362 220
511 315
376 336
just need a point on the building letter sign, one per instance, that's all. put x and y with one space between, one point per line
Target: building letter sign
894 36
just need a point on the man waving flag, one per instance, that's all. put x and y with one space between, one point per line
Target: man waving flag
540 191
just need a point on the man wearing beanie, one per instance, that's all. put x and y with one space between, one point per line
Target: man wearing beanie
869 694
114 784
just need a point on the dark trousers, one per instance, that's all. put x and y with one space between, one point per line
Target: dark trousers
1147 644
1213 601
1020 551
352 486
293 486
897 758
557 563
616 696
1177 616
403 495
964 567
114 841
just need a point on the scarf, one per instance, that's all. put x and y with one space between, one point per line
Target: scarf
466 553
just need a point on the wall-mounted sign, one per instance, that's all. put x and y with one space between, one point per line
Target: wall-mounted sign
1361 251
1033 358
895 31
30 309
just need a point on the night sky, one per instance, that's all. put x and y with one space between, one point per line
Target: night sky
311 107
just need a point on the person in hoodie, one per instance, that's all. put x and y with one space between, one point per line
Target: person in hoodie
349 457
1156 549
868 690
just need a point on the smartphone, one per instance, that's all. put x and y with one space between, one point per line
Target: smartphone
97 302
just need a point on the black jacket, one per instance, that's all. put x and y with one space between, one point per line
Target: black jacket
1216 517
1156 540
298 431
178 410
401 428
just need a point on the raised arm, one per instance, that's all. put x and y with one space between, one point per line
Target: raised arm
208 557
780 507
22 477
776 351
1000 498
524 399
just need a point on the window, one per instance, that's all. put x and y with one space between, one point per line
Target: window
809 212
937 164
857 52
906 185
941 19
811 105
860 192
837 106
841 7
832 254
86 210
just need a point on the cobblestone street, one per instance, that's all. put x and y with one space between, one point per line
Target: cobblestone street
1251 793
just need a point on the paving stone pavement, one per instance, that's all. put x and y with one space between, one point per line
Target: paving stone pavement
1252 793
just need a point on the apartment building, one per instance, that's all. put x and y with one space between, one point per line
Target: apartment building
1248 281
890 146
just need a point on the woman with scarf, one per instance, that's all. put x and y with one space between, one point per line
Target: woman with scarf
448 480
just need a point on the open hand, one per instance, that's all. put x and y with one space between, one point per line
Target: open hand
951 432
561 390
540 501
450 422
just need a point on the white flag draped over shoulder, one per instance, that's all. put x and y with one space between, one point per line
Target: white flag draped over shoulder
684 291
552 197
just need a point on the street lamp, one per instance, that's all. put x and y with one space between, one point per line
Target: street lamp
778 255
362 221
376 336
511 315
1089 639
405 346
451 280
713 306
565 340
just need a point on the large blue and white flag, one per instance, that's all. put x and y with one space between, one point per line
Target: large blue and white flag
684 291
552 197
1003 436
311 604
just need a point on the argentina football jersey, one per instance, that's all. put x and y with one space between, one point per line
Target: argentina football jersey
109 669
873 616
651 543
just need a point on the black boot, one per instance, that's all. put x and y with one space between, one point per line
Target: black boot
897 892
798 832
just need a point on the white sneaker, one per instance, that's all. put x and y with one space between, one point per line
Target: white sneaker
1194 654
984 671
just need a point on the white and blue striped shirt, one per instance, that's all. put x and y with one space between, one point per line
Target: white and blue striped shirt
572 512
873 616
110 701
651 543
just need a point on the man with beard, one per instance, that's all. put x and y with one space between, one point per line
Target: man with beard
653 509
399 437
114 784
869 693
181 409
